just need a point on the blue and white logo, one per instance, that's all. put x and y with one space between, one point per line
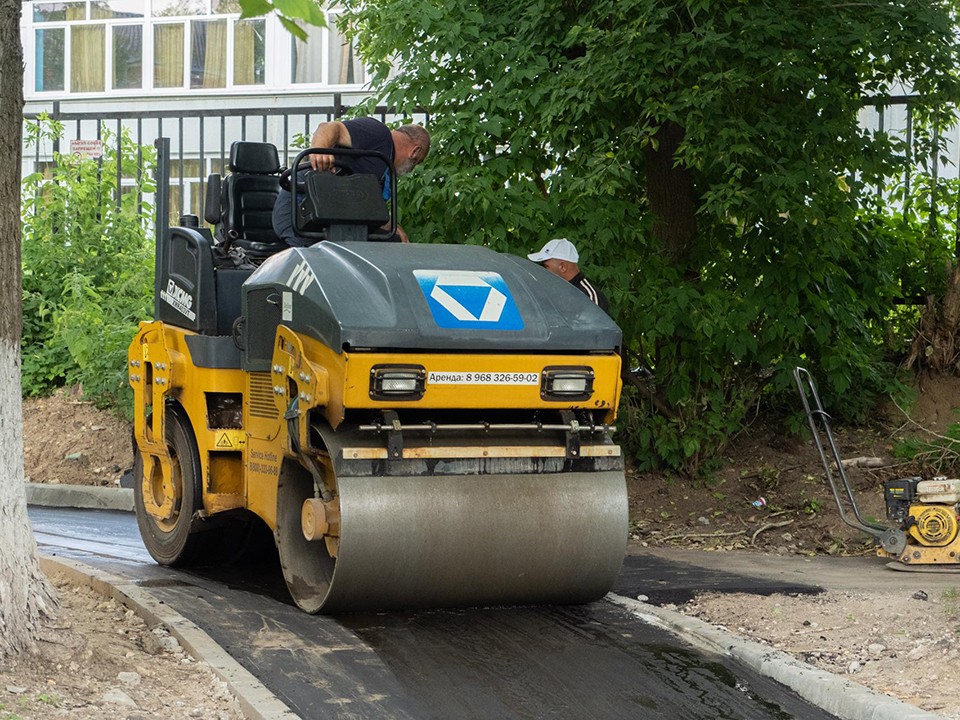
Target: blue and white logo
468 299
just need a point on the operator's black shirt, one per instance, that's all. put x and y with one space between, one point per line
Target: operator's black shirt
368 133
591 291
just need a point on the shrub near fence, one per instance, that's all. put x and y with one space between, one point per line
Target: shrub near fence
87 266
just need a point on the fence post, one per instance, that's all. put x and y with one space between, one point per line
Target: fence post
162 180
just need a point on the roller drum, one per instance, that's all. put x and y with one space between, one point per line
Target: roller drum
463 540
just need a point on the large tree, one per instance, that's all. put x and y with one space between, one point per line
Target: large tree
25 595
706 156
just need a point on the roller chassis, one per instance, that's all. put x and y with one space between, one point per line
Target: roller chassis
478 486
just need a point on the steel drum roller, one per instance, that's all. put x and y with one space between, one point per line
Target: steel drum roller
458 540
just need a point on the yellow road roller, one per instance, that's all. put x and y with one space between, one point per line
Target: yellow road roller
418 425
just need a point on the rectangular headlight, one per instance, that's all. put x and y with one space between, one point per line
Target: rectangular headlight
566 383
397 382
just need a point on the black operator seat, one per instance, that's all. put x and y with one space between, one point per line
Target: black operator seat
246 200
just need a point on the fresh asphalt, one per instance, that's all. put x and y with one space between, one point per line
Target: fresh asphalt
611 659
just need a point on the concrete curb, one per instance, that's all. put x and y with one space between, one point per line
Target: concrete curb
844 698
256 701
80 496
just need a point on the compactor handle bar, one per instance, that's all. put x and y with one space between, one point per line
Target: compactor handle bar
892 539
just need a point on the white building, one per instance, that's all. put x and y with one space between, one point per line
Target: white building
190 70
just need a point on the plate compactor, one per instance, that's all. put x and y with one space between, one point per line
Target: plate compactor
418 425
925 534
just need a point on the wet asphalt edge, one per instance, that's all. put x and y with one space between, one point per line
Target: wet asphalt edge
834 694
256 701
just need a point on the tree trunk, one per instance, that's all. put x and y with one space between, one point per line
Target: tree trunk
936 344
670 193
25 595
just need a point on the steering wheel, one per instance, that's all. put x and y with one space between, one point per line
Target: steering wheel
286 177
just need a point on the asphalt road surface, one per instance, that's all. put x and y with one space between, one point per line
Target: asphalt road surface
588 661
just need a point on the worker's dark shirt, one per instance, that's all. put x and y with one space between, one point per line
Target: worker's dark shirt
365 134
370 134
590 290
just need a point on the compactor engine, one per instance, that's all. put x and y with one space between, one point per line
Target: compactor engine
927 510
417 425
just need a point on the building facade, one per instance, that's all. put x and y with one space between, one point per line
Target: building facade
190 70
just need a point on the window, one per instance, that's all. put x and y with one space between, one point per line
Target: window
208 56
49 60
59 11
249 52
127 56
308 57
178 8
88 54
116 9
168 55
344 66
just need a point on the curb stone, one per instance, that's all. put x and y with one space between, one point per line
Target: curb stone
845 699
256 701
80 496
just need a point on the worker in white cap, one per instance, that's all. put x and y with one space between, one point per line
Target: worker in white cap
560 257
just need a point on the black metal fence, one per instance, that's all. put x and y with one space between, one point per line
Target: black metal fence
200 139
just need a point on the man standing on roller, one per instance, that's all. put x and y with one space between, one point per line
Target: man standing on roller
407 146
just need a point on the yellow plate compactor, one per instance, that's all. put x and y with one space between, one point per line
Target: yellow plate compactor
418 425
924 530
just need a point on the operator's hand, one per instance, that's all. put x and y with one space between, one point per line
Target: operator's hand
322 163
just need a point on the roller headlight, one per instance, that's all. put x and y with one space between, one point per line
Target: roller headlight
566 383
397 382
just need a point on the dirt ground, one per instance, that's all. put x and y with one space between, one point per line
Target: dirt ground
99 660
768 496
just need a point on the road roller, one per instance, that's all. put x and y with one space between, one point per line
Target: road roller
922 533
418 425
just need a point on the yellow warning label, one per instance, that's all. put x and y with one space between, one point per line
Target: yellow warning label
230 440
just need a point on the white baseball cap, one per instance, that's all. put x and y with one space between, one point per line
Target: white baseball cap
559 249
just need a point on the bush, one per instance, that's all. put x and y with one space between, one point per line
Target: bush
87 266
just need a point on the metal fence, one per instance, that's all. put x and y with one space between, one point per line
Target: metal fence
200 140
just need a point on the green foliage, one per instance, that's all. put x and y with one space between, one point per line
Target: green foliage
707 159
939 453
290 13
87 267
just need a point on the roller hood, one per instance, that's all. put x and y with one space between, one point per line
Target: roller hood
426 297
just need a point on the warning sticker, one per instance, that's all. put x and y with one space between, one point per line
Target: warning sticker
483 378
229 440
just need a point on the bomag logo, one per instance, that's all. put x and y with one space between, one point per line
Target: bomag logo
179 299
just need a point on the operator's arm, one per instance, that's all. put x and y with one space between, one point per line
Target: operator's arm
328 135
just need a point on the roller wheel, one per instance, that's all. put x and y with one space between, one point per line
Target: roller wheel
170 539
307 566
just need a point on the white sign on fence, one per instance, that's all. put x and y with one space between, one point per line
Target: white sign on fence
87 148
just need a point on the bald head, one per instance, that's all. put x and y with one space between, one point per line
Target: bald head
411 145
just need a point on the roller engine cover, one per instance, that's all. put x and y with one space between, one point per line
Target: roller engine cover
425 298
